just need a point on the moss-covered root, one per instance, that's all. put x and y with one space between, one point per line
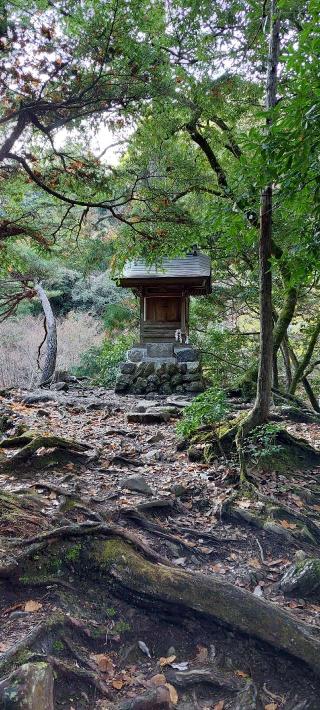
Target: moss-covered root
209 595
224 440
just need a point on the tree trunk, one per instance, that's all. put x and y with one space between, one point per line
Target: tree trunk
305 361
51 328
261 407
308 389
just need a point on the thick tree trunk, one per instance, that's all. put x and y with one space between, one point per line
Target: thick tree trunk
51 354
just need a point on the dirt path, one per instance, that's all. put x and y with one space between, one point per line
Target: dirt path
179 516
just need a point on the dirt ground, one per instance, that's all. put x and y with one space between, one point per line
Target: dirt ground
126 645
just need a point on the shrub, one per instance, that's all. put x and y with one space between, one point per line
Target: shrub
207 408
101 364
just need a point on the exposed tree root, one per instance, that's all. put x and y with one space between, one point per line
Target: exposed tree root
114 562
229 438
36 448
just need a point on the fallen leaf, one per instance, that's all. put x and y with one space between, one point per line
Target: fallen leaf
287 525
166 661
3 647
271 706
32 605
241 674
117 683
219 705
254 562
173 693
158 679
245 503
104 662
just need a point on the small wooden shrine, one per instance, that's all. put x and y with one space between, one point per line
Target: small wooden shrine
164 291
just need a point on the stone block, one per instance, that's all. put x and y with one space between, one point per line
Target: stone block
186 354
136 354
159 350
190 377
193 366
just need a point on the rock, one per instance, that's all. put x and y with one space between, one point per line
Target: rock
137 484
178 401
153 455
30 687
139 386
303 577
190 377
153 416
153 380
165 388
179 490
122 383
176 380
186 355
194 386
182 367
38 397
156 438
193 366
59 386
144 369
127 368
136 354
157 699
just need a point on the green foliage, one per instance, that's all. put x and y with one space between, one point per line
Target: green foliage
260 446
101 364
119 315
207 408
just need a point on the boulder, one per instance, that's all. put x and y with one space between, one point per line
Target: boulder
30 687
122 383
137 484
165 388
127 368
139 386
193 386
38 397
59 386
302 578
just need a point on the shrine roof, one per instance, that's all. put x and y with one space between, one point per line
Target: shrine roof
190 266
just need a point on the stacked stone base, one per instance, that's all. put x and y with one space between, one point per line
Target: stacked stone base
178 371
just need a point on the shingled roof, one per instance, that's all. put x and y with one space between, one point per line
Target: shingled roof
190 266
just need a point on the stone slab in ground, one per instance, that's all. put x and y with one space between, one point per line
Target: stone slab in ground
137 484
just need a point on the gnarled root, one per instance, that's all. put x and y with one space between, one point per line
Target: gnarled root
114 562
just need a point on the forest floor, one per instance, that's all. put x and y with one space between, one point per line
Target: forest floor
111 648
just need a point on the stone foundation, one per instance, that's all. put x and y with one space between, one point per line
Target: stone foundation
161 368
